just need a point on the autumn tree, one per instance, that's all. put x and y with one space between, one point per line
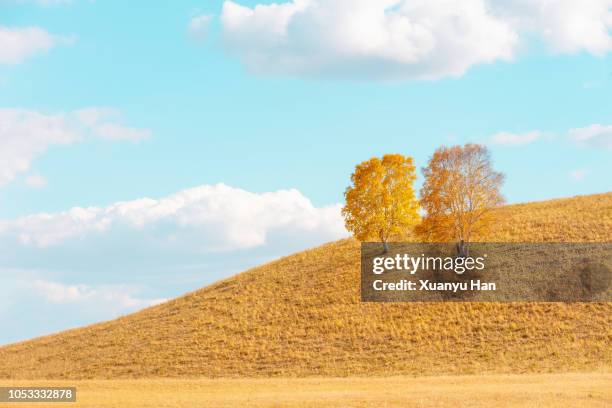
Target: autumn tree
381 203
459 192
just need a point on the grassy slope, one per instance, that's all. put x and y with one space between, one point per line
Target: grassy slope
301 316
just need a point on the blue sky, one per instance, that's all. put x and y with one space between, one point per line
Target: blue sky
110 103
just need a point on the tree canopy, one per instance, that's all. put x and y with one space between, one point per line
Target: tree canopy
381 203
459 192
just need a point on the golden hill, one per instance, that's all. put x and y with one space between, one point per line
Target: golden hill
301 316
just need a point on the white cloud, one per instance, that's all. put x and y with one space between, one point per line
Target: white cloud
516 139
362 38
35 181
17 44
567 26
397 39
90 264
596 135
577 175
205 218
198 27
99 120
56 303
26 134
120 298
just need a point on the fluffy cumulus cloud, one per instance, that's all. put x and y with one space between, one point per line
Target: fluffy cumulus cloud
567 26
17 44
400 39
26 134
206 219
362 38
596 135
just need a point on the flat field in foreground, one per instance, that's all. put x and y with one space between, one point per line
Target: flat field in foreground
526 390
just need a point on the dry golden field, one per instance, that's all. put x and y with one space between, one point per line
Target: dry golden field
528 390
301 316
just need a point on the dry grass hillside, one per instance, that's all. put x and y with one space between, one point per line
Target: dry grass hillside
577 219
301 316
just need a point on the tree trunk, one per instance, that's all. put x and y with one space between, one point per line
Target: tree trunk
462 249
385 246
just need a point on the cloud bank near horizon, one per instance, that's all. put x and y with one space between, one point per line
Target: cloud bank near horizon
208 218
94 263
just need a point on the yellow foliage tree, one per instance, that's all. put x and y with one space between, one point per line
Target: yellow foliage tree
460 190
381 203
